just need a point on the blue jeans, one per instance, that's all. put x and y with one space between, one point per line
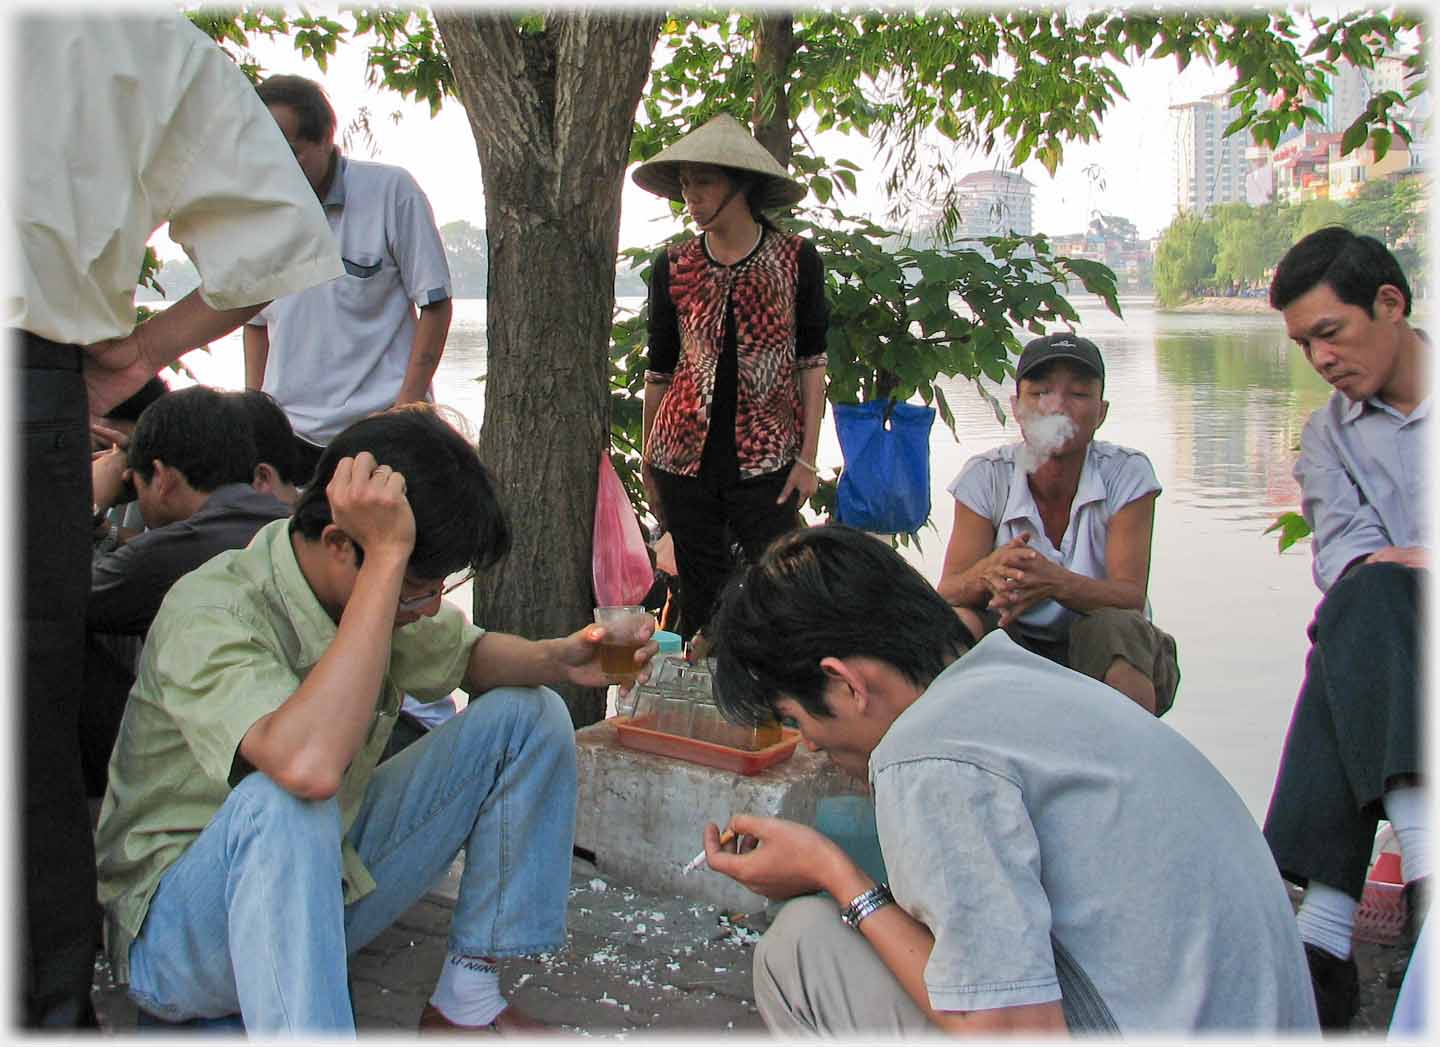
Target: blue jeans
250 917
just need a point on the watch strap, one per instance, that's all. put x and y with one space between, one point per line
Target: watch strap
864 904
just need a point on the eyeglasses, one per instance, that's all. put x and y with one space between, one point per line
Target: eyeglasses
414 603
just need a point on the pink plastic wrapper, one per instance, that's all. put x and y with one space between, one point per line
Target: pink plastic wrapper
620 564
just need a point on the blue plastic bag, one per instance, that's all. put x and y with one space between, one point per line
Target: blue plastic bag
885 486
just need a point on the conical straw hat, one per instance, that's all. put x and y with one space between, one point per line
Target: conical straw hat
722 141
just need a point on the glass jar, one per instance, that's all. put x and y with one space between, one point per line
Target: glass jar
641 705
767 734
665 672
674 714
707 724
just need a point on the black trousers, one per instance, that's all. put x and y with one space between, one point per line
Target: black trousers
706 518
51 479
1355 728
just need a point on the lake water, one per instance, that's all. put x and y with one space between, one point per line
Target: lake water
1217 402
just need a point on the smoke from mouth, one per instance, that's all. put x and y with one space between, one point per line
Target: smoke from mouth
1044 435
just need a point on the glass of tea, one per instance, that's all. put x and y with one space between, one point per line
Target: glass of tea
627 628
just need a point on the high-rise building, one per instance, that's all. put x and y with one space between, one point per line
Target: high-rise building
1210 167
994 203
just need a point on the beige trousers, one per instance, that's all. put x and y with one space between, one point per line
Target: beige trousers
816 978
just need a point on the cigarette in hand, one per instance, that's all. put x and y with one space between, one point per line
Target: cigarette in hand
726 838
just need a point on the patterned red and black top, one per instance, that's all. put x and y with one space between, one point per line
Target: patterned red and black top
729 340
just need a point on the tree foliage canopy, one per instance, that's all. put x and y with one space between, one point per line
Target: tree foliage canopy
1018 84
1237 245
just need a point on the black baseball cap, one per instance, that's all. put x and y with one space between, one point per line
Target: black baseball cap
1063 346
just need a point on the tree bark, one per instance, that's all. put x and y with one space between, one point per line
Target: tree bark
552 113
770 103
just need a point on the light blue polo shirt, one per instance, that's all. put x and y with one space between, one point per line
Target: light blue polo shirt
1059 841
1362 474
338 352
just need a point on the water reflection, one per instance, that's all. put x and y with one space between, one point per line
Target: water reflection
1217 402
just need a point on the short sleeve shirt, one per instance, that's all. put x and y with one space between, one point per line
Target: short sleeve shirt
124 122
338 352
992 486
1362 472
1060 843
233 640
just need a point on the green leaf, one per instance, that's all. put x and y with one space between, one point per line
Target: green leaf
1292 528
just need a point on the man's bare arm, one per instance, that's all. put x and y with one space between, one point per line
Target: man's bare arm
256 341
306 744
431 329
116 368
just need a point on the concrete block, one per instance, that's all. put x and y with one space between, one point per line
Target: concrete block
642 815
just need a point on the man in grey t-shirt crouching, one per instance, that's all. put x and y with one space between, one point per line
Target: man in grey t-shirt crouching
1060 859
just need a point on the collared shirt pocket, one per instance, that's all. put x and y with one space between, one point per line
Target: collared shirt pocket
362 265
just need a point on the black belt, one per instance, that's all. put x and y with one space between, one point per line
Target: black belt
41 354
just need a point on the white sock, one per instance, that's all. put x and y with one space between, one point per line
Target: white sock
1327 919
1408 812
468 992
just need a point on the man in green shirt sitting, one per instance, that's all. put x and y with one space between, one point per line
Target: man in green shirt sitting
248 840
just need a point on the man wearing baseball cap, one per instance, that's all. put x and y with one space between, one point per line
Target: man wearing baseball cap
1051 540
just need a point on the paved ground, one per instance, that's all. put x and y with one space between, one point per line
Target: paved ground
634 965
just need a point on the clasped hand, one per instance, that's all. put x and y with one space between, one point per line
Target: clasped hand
1018 578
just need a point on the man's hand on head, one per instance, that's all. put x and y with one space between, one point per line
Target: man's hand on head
1415 557
367 502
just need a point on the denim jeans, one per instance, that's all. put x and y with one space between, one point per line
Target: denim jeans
250 917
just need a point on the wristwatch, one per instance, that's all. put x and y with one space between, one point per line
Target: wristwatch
863 905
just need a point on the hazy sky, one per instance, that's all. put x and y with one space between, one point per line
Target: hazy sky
1134 156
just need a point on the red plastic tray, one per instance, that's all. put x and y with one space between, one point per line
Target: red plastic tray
741 761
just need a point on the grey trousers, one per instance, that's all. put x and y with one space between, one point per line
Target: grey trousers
816 978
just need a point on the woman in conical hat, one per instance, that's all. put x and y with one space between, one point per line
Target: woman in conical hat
735 383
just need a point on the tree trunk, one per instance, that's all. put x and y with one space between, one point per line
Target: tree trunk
770 103
552 112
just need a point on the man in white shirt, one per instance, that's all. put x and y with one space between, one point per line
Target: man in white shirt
1352 754
334 354
122 123
1051 540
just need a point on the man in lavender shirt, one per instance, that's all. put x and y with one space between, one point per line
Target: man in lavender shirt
1352 754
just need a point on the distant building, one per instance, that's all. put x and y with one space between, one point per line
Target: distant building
1114 242
994 203
1211 168
1302 167
1348 173
1259 175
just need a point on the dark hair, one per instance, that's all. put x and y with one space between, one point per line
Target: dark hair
458 519
307 98
750 182
274 439
199 431
820 592
130 410
1353 266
